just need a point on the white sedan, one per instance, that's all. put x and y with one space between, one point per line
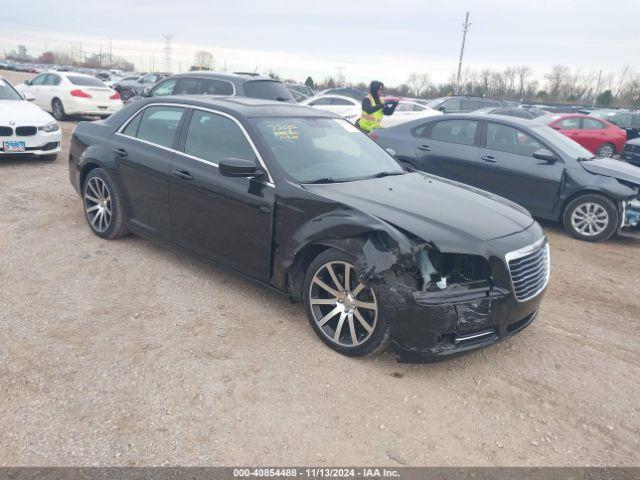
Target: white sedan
26 129
351 109
70 93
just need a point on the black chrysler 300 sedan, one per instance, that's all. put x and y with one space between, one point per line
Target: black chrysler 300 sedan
529 163
300 200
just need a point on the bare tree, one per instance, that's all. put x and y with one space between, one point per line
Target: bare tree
419 83
523 72
556 79
203 60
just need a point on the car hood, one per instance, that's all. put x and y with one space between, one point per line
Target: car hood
634 141
23 113
433 210
613 168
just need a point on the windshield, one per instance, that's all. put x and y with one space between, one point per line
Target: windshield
324 150
267 89
7 92
564 143
86 81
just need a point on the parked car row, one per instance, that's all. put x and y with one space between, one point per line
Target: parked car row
528 162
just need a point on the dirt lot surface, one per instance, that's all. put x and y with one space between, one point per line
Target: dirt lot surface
125 353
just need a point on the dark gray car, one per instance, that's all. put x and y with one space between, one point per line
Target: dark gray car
529 163
227 84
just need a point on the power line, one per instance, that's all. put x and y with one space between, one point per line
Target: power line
465 29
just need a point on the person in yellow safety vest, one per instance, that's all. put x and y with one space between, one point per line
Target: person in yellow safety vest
373 109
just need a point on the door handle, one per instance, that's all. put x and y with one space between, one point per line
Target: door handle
121 152
489 158
183 175
426 148
264 209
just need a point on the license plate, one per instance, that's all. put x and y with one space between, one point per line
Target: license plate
102 108
13 146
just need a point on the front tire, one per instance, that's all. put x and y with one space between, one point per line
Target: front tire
343 312
58 110
103 207
606 150
591 217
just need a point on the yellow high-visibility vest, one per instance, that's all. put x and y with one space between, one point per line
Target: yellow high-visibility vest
370 121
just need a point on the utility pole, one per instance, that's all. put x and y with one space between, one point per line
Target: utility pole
595 95
465 29
167 51
341 79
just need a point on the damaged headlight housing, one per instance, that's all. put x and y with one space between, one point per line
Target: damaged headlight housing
439 270
631 213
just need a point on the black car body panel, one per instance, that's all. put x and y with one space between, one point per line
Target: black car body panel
631 152
269 228
542 187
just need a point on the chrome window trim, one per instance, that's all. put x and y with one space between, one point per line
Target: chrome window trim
523 252
269 181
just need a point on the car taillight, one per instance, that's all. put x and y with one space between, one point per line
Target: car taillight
115 96
373 136
79 93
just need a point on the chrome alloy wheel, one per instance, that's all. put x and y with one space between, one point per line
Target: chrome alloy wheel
97 204
590 219
345 310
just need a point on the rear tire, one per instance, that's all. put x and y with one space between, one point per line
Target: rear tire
58 110
591 217
103 206
346 317
606 150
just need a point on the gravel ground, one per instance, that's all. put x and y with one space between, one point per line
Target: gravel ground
125 353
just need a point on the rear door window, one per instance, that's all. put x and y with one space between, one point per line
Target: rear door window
39 80
159 125
215 87
467 105
267 89
591 124
186 86
455 131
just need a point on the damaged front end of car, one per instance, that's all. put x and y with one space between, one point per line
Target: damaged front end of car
443 303
630 218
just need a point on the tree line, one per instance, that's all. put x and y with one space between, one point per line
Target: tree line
562 84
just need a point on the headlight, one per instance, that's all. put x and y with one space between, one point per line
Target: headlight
49 127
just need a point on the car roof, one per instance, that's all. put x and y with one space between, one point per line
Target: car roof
224 76
245 106
333 95
524 122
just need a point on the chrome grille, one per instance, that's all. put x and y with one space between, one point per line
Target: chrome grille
529 268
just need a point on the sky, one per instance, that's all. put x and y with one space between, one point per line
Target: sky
376 39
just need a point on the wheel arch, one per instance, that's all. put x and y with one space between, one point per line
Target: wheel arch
86 168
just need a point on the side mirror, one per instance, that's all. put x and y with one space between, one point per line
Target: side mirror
238 167
442 109
28 96
546 155
27 82
147 92
556 127
391 152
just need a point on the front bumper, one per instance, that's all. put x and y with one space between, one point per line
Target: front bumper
431 326
42 143
631 154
